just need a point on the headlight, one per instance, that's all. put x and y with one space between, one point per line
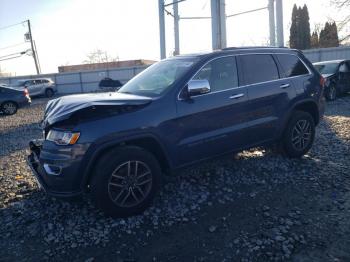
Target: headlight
63 137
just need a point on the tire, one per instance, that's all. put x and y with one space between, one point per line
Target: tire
292 145
49 92
9 108
332 93
120 195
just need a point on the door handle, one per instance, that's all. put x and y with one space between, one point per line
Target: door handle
284 86
236 96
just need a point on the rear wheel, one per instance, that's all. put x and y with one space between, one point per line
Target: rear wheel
299 134
125 181
9 108
49 92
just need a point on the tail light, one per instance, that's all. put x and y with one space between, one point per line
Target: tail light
322 81
26 92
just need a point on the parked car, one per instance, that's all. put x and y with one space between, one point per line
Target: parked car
177 112
337 75
108 84
12 99
38 86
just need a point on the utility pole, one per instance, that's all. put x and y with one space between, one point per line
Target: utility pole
176 27
33 50
161 29
37 56
279 23
271 7
218 24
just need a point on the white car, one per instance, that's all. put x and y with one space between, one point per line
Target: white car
38 86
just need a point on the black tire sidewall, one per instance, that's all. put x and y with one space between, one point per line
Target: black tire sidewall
104 168
48 92
9 102
288 147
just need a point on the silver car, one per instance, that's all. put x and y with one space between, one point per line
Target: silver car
38 86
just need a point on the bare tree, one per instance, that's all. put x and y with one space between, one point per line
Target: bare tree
342 24
99 56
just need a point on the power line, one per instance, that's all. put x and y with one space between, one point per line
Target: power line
17 53
246 12
6 47
8 26
10 58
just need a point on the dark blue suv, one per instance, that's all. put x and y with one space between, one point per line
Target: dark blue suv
177 112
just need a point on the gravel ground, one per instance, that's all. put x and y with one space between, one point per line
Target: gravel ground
254 206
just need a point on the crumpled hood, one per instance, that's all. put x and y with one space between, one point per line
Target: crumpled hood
62 108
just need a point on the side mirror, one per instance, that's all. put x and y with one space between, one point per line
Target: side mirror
198 87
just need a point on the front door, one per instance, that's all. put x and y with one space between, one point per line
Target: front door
212 123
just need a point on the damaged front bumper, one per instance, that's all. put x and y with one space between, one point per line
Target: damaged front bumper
48 175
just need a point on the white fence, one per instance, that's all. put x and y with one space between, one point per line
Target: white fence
81 82
87 81
325 54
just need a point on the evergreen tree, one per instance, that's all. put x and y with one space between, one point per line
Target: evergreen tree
305 28
300 36
293 37
314 40
324 35
329 35
335 38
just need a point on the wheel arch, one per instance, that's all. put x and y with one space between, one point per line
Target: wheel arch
147 142
308 106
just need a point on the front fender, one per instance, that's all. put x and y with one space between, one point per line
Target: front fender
96 150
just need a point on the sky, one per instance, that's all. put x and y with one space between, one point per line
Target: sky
65 31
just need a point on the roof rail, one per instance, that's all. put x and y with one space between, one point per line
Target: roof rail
251 47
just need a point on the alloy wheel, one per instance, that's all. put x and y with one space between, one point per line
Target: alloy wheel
9 108
301 134
130 183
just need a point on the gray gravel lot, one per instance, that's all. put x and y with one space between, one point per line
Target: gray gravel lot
254 206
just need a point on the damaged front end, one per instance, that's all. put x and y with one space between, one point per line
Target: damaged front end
71 110
55 160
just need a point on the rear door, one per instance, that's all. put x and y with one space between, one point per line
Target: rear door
212 123
39 85
269 96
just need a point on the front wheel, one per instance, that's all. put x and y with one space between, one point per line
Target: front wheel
125 181
49 92
299 134
9 108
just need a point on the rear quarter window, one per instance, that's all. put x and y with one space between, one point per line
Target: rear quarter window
292 65
258 68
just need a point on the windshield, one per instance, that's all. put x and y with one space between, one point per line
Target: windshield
157 78
329 68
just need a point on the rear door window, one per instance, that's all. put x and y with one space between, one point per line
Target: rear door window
258 68
292 65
